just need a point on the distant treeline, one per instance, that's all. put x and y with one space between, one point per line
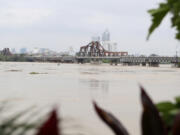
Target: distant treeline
16 57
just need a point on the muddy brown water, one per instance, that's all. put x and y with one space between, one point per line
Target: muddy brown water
73 87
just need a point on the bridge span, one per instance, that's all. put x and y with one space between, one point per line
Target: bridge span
94 51
125 60
131 60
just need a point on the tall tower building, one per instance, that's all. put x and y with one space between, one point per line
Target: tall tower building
106 40
106 36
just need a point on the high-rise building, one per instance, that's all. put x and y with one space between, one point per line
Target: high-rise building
106 36
105 41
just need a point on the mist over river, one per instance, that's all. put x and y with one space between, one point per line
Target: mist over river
73 87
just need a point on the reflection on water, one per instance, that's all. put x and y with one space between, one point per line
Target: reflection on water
74 86
94 84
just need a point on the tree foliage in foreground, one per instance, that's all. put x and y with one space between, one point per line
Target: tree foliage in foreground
160 119
158 14
163 119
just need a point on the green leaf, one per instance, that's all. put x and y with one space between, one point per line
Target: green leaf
172 7
157 17
177 99
151 121
13 125
165 107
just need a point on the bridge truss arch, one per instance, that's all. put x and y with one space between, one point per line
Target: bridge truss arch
95 49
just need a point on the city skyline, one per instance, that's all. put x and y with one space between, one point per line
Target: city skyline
57 25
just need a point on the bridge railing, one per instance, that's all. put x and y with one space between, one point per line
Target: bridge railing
134 59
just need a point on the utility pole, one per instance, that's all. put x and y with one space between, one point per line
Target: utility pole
176 56
176 59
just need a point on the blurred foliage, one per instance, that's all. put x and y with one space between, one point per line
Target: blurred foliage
27 122
178 64
168 110
18 124
34 73
51 125
158 14
106 61
160 119
15 57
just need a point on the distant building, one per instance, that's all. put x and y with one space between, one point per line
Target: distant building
35 51
13 50
43 52
110 46
23 51
107 44
114 47
71 51
106 36
63 53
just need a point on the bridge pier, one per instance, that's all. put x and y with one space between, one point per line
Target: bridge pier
114 61
131 63
143 64
80 61
130 60
176 64
127 63
96 61
153 64
137 64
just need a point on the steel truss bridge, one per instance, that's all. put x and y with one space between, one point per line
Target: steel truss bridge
94 51
126 60
131 60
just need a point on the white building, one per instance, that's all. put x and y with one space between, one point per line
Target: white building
43 51
110 46
114 47
107 44
105 41
13 50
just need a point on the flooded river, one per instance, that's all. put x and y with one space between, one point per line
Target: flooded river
73 87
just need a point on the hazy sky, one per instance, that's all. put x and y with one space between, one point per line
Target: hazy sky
59 24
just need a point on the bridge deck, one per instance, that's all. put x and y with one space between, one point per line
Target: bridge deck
132 59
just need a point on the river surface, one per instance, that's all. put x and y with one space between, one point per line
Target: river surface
73 87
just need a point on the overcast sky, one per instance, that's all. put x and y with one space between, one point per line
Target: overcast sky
59 24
